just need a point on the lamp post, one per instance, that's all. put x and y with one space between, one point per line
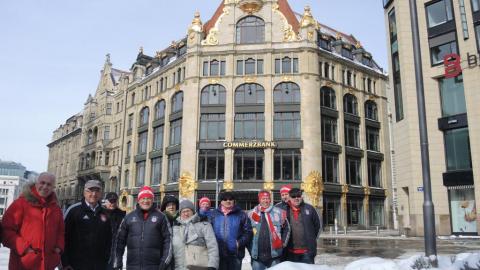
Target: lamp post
428 208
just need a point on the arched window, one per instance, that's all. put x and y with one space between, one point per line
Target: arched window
160 109
213 94
250 29
177 102
144 116
286 92
249 66
371 111
90 137
250 93
350 104
328 98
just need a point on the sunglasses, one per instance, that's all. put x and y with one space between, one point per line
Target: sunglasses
112 200
228 199
296 196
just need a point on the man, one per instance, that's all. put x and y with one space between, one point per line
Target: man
233 232
116 216
305 224
33 227
88 232
283 204
270 233
145 232
204 208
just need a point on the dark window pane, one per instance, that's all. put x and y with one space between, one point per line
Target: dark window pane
249 66
239 67
286 65
439 12
277 66
222 68
452 96
438 53
259 66
214 68
250 29
205 68
457 149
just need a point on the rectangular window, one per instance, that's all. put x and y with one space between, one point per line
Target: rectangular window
129 150
477 34
355 211
332 207
376 212
158 138
142 143
475 5
239 67
286 125
212 127
452 96
326 70
352 135
347 53
211 165
397 86
277 66
248 165
108 110
330 167
457 149
106 133
353 171
176 132
249 66
156 171
286 65
214 68
249 126
373 138
126 180
259 66
287 165
222 68
437 53
173 167
374 173
329 129
439 13
130 122
295 65
140 179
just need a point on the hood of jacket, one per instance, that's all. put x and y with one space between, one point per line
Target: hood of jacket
34 199
193 219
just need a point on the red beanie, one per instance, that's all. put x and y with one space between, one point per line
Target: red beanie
204 199
145 192
285 189
263 194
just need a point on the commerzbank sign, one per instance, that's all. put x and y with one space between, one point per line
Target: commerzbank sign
250 145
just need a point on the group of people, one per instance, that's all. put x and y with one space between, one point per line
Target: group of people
172 236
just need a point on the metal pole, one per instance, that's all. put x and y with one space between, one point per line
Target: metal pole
428 208
216 193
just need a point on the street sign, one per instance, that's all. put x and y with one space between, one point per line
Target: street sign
420 189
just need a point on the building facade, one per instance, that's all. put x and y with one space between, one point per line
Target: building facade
13 177
450 42
255 98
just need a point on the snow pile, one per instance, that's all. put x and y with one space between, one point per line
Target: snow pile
373 264
299 266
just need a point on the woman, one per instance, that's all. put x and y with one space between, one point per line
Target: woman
190 233
169 207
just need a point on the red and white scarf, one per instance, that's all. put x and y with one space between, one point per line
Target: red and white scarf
276 239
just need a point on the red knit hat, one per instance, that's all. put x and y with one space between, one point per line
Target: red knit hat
204 199
285 188
145 192
262 194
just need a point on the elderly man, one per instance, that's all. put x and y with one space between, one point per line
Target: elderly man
305 225
88 232
33 227
285 197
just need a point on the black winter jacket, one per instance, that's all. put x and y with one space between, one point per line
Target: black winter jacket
116 216
88 238
148 241
311 227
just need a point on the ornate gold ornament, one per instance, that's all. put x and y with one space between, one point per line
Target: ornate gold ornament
268 185
177 87
250 79
313 187
162 188
228 185
366 191
187 185
288 33
307 19
338 36
123 200
250 6
310 36
286 79
212 38
358 45
196 25
158 54
213 81
344 189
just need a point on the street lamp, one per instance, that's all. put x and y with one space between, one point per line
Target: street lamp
428 208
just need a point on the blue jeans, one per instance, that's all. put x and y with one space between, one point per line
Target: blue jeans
259 265
230 263
300 258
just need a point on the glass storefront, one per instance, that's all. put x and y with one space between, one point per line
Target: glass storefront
463 212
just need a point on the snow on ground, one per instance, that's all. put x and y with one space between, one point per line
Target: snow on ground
462 261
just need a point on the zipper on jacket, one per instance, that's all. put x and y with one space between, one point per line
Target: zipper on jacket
141 245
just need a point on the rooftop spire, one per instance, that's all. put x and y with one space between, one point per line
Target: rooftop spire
196 25
307 19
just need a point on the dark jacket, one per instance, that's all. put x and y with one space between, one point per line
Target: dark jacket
35 222
148 241
311 227
282 205
88 237
116 216
229 229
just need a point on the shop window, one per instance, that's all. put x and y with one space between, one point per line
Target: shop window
374 173
355 211
457 149
376 212
330 167
332 210
353 173
452 96
211 165
287 165
248 165
462 210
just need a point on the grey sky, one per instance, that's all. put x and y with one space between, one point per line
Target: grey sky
51 53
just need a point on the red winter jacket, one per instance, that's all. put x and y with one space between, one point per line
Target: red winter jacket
29 223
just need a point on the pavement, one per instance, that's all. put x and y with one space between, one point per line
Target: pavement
339 250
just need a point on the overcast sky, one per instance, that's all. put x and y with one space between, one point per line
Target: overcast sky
52 51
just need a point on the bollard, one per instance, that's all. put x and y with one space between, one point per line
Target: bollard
331 230
345 230
378 230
